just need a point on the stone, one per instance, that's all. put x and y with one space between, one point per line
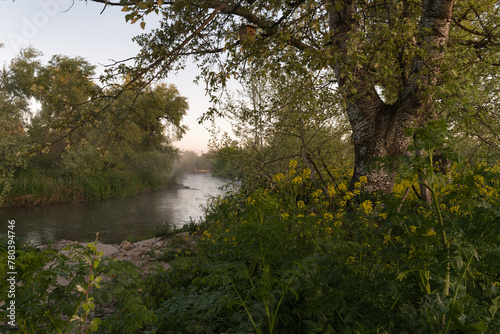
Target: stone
126 245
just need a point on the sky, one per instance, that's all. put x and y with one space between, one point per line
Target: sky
77 28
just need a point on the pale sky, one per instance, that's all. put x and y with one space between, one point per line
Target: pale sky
57 27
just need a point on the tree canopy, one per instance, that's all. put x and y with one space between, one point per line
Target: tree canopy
393 65
57 122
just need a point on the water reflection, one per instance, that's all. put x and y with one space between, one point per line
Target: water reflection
114 219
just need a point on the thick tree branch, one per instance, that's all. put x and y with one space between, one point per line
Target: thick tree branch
343 24
434 31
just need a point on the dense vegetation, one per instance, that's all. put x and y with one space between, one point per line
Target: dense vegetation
367 142
294 258
66 139
296 250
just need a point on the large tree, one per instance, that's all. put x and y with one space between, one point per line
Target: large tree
396 63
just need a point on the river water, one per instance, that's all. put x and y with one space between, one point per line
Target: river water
114 219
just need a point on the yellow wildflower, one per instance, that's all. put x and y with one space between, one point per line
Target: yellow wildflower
413 228
328 230
297 180
284 215
331 190
306 173
367 206
357 185
430 233
479 180
363 179
293 163
317 193
278 177
301 204
348 196
342 187
328 216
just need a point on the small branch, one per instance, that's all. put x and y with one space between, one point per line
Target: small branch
403 199
468 29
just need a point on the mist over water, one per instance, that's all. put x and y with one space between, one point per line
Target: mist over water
114 219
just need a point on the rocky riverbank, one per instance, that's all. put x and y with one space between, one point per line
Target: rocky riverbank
148 255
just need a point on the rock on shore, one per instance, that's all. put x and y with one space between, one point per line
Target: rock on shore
143 253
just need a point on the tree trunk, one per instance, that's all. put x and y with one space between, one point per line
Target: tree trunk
378 129
379 135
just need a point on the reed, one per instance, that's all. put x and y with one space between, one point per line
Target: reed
41 188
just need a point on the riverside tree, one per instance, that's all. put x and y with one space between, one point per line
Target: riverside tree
394 65
77 129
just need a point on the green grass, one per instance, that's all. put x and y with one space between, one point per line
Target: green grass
37 188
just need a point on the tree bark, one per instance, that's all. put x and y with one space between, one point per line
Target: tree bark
378 129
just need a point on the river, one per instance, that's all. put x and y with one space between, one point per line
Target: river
115 219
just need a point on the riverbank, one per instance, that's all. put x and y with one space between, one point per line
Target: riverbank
30 190
147 255
65 279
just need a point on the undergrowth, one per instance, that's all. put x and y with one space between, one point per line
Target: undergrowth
293 258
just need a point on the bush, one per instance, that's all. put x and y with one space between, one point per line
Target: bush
291 258
47 304
301 260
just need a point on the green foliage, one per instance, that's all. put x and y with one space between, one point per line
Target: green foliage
66 293
224 162
385 65
299 259
43 305
277 118
125 296
78 146
294 258
166 230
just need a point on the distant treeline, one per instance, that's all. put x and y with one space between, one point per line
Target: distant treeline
64 138
190 162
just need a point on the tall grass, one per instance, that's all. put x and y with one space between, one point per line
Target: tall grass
40 188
